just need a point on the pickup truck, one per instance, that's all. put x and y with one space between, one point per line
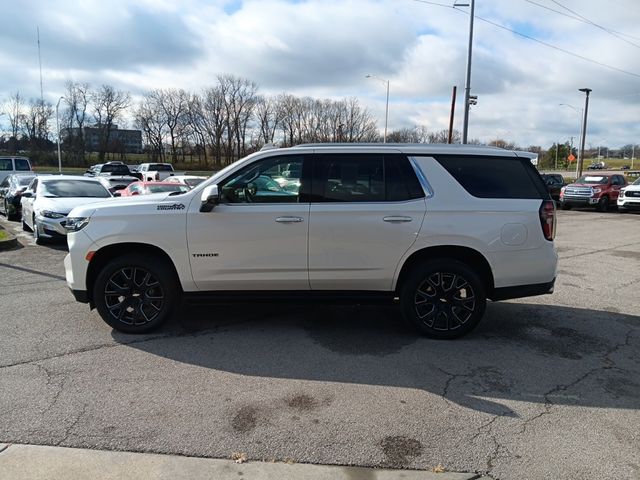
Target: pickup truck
592 190
157 171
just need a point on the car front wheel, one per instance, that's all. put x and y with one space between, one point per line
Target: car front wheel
603 204
443 299
136 294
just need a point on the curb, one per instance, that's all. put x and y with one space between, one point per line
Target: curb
34 462
9 242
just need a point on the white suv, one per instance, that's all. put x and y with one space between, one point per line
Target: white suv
439 228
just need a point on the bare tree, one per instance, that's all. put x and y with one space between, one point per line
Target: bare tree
108 106
148 118
240 97
76 99
214 120
35 124
269 115
15 111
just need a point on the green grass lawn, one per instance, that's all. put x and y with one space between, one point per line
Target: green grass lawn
3 235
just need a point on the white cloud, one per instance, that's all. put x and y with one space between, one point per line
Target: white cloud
324 48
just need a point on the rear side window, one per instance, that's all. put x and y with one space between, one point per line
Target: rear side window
22 165
5 165
160 167
495 177
364 178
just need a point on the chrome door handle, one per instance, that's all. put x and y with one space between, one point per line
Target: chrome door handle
289 219
397 219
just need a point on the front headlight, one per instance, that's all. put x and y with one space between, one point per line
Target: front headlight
75 224
50 214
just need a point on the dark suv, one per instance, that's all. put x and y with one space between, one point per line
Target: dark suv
109 169
554 183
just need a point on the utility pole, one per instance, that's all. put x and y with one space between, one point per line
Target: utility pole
467 84
587 91
453 108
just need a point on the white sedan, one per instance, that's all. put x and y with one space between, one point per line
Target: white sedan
189 180
49 199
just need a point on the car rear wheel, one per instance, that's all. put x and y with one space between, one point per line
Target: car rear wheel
443 299
134 294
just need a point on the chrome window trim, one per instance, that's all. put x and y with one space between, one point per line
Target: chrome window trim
426 186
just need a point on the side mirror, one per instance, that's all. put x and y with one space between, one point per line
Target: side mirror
27 194
210 198
117 194
135 193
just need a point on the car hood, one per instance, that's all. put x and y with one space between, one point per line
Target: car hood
129 204
586 185
634 188
65 205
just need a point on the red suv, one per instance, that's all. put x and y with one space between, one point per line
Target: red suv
593 190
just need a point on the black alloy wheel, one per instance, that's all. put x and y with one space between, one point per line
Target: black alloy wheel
135 295
443 299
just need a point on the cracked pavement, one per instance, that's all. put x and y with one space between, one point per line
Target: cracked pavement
546 387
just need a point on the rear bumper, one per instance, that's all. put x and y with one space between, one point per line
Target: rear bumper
81 296
519 291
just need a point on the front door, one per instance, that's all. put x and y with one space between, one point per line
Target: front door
256 238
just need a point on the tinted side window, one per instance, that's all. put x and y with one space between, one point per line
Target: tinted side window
271 180
494 177
22 165
5 164
401 182
350 178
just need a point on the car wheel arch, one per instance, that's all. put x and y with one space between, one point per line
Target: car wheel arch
107 253
466 255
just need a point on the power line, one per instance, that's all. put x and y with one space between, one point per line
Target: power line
546 44
609 31
560 12
529 37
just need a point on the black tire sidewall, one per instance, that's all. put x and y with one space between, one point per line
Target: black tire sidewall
159 268
419 274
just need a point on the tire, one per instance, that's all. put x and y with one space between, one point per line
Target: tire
136 294
603 204
36 233
565 206
443 299
9 216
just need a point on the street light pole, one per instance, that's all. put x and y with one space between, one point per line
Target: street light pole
587 91
571 151
467 84
58 131
386 110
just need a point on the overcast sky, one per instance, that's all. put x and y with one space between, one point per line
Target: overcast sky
325 48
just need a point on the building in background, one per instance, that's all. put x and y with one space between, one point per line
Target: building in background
120 140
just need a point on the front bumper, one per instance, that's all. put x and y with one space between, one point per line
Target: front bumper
629 204
579 201
52 228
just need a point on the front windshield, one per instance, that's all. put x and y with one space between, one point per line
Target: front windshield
72 188
637 182
192 182
167 188
593 179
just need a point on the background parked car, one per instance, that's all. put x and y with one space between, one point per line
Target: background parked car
629 198
156 171
592 190
145 188
11 165
50 198
114 183
108 169
11 189
189 180
554 183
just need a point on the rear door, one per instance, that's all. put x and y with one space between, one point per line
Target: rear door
366 211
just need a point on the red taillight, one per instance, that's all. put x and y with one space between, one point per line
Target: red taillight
548 219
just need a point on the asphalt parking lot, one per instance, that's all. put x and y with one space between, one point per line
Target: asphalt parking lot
546 387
